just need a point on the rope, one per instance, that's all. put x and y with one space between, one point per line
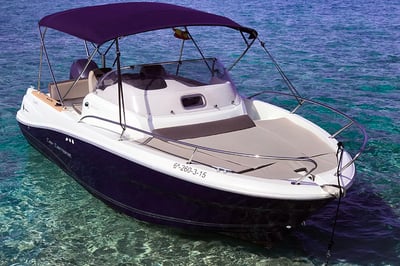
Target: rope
339 155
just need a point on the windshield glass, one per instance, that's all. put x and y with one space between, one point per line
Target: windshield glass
196 72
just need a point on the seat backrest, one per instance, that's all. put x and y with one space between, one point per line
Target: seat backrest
92 81
78 91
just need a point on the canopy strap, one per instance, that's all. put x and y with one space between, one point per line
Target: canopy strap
121 102
183 35
199 50
44 51
248 45
90 59
295 93
41 60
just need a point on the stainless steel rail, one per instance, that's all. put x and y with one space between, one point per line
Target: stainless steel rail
351 122
197 147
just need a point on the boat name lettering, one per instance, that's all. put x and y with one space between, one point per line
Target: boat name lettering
190 170
58 147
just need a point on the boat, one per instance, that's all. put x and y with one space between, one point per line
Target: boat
175 143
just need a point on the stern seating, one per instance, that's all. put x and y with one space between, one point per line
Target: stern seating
79 91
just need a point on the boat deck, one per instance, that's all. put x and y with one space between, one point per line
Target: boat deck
277 137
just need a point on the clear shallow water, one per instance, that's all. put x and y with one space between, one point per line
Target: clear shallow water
344 53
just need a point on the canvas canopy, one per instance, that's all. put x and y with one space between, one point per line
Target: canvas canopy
99 24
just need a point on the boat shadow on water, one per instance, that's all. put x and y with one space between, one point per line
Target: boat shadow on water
367 230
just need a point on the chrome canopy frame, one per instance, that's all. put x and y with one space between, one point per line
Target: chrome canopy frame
96 50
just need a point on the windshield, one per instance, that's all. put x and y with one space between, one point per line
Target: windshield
196 72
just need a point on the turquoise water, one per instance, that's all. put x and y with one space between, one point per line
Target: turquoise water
345 53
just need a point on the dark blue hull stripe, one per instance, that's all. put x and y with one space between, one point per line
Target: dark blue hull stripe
155 197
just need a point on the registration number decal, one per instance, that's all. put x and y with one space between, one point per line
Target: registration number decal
190 170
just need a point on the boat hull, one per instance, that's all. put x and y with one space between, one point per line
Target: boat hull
156 197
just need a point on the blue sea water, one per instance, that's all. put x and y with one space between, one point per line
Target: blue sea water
344 52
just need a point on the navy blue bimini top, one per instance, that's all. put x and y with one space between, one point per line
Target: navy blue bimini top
99 24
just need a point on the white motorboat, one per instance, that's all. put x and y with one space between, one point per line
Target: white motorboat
174 143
